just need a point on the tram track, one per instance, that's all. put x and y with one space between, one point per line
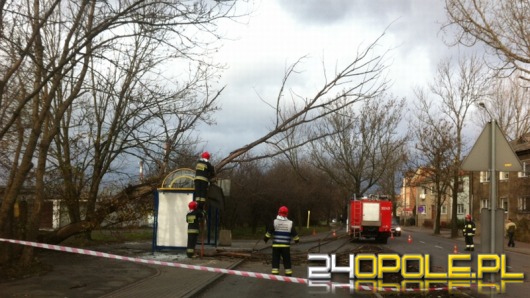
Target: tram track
259 260
340 245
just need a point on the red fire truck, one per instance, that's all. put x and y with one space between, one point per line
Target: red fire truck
370 218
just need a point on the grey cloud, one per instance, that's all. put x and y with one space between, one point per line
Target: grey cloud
331 11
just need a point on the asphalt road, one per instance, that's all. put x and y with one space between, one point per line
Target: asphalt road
422 243
438 248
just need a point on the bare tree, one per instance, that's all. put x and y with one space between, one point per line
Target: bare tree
509 106
47 49
260 187
362 147
455 91
121 114
391 179
502 26
435 146
361 79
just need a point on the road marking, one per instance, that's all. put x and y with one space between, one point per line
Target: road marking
437 246
422 242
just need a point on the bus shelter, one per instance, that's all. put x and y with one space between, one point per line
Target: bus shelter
171 206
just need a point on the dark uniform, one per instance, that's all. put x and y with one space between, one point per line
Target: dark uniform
204 172
193 218
282 231
469 233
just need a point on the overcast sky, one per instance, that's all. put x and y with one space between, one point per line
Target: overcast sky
281 31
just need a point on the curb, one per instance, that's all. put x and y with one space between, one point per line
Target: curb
211 280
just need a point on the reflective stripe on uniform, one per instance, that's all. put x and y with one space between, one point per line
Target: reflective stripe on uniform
202 178
282 233
280 245
469 229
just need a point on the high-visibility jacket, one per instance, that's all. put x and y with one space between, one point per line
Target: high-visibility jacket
194 218
282 232
204 170
469 228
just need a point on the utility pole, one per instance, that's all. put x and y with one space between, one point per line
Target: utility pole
492 153
493 178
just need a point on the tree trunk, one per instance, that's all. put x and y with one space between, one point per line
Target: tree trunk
438 214
454 207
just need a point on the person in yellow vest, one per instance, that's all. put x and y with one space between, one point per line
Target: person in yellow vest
510 232
469 233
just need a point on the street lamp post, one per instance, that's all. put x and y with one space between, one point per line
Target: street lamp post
493 178
493 194
405 200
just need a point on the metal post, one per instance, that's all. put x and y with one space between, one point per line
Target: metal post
493 189
405 201
416 209
493 178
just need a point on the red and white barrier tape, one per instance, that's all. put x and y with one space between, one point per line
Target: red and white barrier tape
161 263
208 269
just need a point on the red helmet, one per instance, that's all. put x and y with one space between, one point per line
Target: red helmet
283 211
205 155
468 216
192 205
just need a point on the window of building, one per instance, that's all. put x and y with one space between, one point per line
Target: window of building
460 209
460 185
526 170
444 209
484 203
504 204
524 204
484 176
503 176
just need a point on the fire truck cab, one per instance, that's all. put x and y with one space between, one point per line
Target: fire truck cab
370 218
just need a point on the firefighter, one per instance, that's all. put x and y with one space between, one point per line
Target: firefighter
282 231
204 172
469 233
193 218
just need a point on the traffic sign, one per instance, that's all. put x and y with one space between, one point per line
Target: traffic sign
479 157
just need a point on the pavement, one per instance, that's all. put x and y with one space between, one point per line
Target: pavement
78 275
520 247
